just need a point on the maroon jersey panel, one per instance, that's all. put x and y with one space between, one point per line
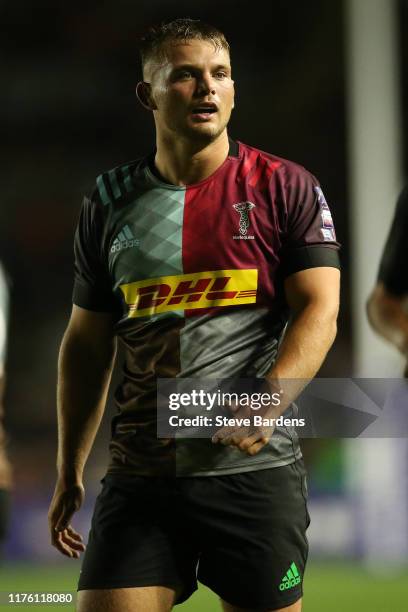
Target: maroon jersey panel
257 211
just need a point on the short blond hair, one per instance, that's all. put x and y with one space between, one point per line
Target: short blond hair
152 43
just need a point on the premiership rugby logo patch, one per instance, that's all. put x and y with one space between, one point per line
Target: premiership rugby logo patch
216 288
243 208
327 230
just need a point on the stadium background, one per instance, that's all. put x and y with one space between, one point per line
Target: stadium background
69 112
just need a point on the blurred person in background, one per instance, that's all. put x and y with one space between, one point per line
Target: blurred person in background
160 248
384 492
387 306
5 468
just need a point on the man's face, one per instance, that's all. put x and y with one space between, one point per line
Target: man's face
192 90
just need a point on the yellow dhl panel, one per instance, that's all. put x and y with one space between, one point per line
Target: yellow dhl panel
188 291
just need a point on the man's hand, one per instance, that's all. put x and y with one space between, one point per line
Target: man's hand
84 369
65 502
248 439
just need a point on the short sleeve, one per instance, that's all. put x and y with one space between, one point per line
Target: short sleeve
310 238
394 263
92 286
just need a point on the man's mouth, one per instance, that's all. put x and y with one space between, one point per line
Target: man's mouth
204 111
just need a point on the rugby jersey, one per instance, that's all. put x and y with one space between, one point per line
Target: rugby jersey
194 275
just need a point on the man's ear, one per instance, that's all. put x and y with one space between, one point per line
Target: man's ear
144 95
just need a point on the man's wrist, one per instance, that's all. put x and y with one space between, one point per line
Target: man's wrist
288 390
70 476
278 396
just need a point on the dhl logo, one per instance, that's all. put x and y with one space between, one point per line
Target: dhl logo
188 291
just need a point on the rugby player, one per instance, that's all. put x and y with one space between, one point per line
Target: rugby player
194 258
387 306
5 468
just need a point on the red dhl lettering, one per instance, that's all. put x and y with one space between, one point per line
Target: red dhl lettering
189 291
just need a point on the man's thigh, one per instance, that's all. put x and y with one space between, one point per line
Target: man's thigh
154 599
135 548
253 535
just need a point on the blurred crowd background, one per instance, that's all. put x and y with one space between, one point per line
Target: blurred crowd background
69 112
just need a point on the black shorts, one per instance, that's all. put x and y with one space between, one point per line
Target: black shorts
242 535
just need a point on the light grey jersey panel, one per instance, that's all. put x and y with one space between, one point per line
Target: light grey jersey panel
146 237
240 344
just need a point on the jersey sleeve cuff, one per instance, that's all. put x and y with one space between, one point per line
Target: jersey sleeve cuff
304 258
86 297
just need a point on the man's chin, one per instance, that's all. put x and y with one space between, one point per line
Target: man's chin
203 132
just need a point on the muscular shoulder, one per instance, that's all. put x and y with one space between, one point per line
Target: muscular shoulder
288 172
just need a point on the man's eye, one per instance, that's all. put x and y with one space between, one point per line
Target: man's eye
220 75
186 74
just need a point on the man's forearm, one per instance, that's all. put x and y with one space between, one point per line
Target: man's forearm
303 350
83 381
309 336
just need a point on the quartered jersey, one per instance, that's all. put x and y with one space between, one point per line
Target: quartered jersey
195 276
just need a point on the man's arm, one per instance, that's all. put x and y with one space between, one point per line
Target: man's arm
313 298
84 371
387 306
388 316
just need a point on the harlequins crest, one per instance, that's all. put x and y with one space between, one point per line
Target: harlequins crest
243 208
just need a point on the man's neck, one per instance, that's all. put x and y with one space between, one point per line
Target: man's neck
186 163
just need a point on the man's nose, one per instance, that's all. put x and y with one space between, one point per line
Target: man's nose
205 85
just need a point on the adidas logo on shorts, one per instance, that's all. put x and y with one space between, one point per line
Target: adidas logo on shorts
290 579
124 240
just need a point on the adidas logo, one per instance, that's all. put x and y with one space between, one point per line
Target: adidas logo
124 240
290 579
